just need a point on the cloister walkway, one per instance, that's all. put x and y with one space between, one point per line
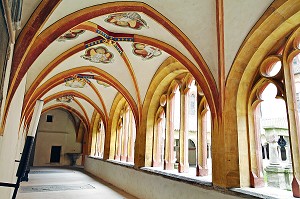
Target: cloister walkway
67 183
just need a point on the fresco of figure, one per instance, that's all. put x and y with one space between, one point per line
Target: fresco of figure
70 35
128 19
98 55
145 51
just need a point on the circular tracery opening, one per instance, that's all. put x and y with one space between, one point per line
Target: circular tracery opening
270 67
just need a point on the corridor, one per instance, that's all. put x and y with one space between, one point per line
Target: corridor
66 183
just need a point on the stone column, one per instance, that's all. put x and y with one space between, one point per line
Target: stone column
184 130
125 134
94 136
256 175
131 140
169 141
157 143
97 145
292 113
102 133
118 140
201 167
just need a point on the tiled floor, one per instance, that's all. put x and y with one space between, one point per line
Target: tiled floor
66 183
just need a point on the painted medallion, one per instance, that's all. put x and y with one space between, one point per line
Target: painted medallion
145 51
66 98
76 82
127 19
70 35
98 55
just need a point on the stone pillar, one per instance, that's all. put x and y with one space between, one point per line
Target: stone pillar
131 140
125 134
119 140
201 167
157 143
94 135
169 141
256 175
98 142
293 117
184 130
102 134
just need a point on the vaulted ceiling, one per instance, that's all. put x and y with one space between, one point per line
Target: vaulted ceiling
86 52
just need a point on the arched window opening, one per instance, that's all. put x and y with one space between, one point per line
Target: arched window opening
275 129
125 136
271 158
182 131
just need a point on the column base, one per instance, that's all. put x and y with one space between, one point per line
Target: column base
201 171
255 181
124 158
168 165
156 163
130 159
296 187
117 157
183 168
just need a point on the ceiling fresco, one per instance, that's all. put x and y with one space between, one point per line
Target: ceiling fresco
78 81
127 19
145 51
98 55
70 35
66 98
102 49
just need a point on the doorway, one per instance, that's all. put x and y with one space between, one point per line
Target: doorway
55 154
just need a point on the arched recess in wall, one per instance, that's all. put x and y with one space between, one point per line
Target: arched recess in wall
200 72
266 38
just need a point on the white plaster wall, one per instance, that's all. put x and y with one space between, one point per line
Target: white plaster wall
12 141
239 17
148 186
60 132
